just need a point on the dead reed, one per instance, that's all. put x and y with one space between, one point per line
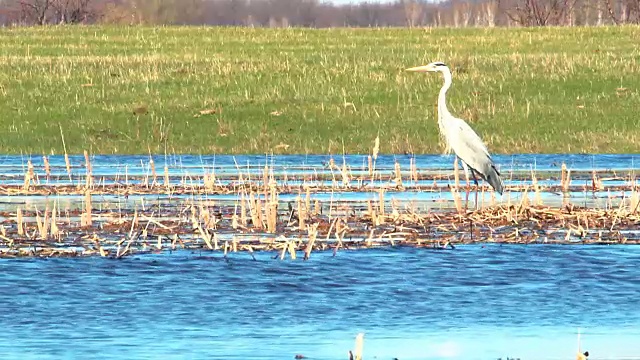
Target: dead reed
269 214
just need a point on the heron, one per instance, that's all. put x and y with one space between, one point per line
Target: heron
461 138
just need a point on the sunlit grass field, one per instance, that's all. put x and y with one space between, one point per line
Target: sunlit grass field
142 89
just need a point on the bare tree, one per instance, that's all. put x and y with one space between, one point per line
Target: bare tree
366 14
437 17
72 11
537 12
633 11
8 15
488 10
35 11
600 12
623 11
412 12
462 12
322 13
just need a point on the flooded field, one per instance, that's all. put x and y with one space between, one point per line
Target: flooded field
211 256
295 205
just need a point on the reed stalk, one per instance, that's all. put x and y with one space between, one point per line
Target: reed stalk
234 218
47 167
89 178
398 175
134 222
272 209
265 179
167 183
292 250
32 173
634 201
20 221
346 178
457 200
381 192
205 236
101 250
243 209
357 352
565 178
45 224
374 155
154 176
209 181
536 189
86 219
66 156
258 205
254 210
414 170
370 210
313 234
284 249
55 231
39 224
302 214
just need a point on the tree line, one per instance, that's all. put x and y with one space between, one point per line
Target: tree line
321 14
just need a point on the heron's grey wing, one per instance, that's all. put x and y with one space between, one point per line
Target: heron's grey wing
472 150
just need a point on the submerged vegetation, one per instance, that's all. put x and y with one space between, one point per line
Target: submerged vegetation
240 90
294 210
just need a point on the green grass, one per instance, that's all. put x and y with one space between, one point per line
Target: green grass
541 90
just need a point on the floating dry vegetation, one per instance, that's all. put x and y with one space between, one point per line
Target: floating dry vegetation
296 213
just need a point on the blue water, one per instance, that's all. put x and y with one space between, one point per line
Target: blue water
300 170
195 165
474 302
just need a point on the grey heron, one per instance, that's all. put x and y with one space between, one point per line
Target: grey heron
460 137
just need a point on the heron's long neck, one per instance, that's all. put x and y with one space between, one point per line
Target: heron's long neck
443 112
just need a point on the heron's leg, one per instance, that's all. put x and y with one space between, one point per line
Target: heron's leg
456 171
475 180
466 175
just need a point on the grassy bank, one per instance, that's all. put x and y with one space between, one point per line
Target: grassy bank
134 90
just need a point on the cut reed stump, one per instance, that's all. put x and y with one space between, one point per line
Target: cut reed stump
86 217
356 354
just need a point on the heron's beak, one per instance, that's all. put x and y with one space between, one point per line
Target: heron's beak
424 68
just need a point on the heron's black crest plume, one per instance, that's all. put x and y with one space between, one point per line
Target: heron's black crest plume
439 64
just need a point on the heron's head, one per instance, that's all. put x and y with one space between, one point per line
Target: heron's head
434 66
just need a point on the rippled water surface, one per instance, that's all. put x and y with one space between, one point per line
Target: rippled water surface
474 302
193 165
